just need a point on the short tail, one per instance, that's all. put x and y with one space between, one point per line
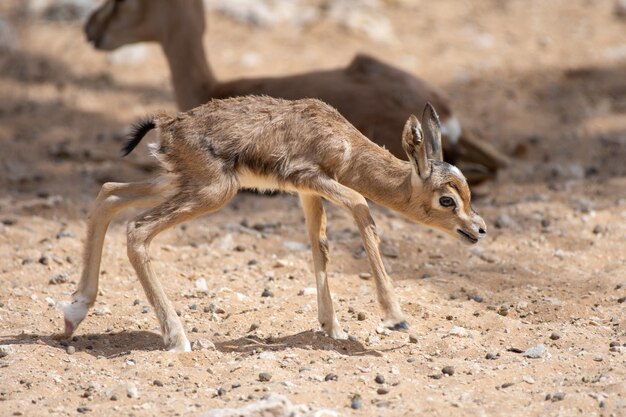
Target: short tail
137 132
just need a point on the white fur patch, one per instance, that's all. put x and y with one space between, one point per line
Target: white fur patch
451 129
76 312
250 180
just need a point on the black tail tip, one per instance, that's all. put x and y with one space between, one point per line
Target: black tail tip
137 132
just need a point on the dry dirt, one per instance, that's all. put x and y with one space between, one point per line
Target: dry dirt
543 80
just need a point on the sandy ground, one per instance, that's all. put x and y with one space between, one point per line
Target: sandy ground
544 81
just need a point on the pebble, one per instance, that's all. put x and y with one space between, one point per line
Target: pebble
83 410
555 336
361 316
101 311
131 390
621 300
201 285
503 310
528 379
71 350
253 327
265 376
58 279
114 397
504 221
492 356
382 391
597 229
331 377
202 344
559 396
5 350
356 402
535 351
614 344
379 379
267 293
365 275
412 338
448 370
145 310
458 331
507 384
157 383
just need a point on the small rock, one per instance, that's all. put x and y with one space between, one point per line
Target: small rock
157 383
267 293
528 379
203 344
448 370
308 291
361 316
382 391
506 385
240 248
201 285
503 310
555 336
365 275
504 221
356 402
614 344
101 311
412 338
265 376
83 409
131 390
5 350
492 356
331 377
388 249
58 279
379 379
71 350
253 327
559 396
113 397
435 376
145 310
535 351
193 306
597 229
221 391
621 300
458 331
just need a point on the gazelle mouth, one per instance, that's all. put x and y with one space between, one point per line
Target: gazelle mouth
469 238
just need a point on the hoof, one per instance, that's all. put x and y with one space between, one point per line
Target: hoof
338 335
69 329
401 326
185 346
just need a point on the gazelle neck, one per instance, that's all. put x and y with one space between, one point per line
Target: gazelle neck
383 179
192 76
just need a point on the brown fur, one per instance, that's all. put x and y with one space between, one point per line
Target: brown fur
303 146
375 97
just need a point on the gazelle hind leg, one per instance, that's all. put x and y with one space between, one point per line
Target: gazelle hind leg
113 198
355 203
316 227
183 206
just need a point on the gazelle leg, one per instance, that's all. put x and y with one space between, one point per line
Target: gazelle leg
184 206
316 226
356 204
113 198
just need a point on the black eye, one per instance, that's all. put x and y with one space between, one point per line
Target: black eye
446 201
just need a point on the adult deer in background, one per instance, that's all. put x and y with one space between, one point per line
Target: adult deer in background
375 97
304 147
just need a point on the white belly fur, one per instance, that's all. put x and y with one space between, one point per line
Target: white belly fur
252 181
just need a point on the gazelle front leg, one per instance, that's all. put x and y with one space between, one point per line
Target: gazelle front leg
316 226
355 203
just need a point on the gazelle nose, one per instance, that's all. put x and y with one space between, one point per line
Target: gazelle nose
481 231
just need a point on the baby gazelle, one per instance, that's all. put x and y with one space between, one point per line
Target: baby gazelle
303 146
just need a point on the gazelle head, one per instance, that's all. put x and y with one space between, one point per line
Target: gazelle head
440 196
120 22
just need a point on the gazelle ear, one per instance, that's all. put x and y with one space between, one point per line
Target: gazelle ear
415 148
432 133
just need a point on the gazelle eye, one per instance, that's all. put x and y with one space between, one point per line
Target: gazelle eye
446 201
